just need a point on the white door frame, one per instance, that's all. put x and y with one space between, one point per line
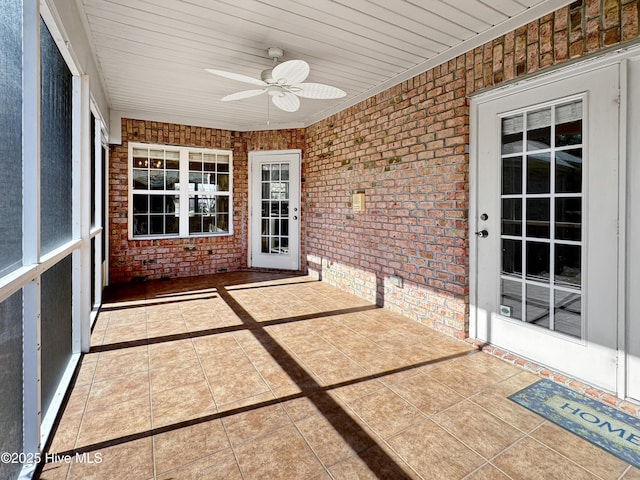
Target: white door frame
295 216
631 231
620 57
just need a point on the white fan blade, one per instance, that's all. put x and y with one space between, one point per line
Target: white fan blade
243 94
236 76
317 90
286 101
291 72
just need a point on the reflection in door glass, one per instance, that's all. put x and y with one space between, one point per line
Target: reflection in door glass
275 209
511 299
541 220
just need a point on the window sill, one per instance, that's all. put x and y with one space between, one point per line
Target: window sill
177 237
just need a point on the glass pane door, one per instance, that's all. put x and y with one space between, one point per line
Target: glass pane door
274 228
541 220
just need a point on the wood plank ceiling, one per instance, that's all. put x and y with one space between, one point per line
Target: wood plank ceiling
152 53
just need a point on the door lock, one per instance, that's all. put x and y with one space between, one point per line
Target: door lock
482 234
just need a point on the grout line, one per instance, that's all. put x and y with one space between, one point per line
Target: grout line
153 440
627 470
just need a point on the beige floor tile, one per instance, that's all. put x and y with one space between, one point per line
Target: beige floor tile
166 328
308 342
107 393
166 378
237 385
220 465
276 376
589 456
163 311
77 402
223 363
306 406
122 362
375 361
434 453
87 371
106 424
257 401
472 373
281 454
356 390
126 333
477 428
385 412
325 337
124 317
487 472
132 460
426 393
97 336
246 426
55 471
494 399
530 460
186 402
372 464
174 354
334 436
179 447
208 321
632 474
66 433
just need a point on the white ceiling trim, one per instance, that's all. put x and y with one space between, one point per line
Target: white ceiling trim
533 13
358 70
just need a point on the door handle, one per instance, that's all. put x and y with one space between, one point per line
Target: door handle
482 234
295 217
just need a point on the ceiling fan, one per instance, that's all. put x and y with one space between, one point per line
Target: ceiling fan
283 82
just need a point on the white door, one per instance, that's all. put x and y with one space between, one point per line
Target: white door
274 229
633 265
546 207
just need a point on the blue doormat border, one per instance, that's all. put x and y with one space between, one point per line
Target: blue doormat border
610 429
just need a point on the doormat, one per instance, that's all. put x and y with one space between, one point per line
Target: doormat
604 426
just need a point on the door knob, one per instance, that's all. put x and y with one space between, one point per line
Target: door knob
295 217
482 234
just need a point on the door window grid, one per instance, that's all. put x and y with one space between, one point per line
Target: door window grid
275 208
542 217
179 191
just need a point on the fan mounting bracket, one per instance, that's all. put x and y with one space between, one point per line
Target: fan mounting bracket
275 53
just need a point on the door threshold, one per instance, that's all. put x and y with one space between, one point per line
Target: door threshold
627 406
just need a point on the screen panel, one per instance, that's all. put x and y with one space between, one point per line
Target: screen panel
55 145
56 327
11 373
11 136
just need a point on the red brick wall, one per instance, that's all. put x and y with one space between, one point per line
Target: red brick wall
152 259
405 148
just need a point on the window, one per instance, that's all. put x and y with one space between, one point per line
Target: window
179 191
542 178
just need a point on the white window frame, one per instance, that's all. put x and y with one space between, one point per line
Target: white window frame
183 192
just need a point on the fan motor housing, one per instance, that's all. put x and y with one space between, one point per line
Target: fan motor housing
267 76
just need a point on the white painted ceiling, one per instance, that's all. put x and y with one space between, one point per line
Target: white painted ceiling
153 53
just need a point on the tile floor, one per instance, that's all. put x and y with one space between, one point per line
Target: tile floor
263 376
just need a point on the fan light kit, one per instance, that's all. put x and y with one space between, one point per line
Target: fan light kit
283 82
